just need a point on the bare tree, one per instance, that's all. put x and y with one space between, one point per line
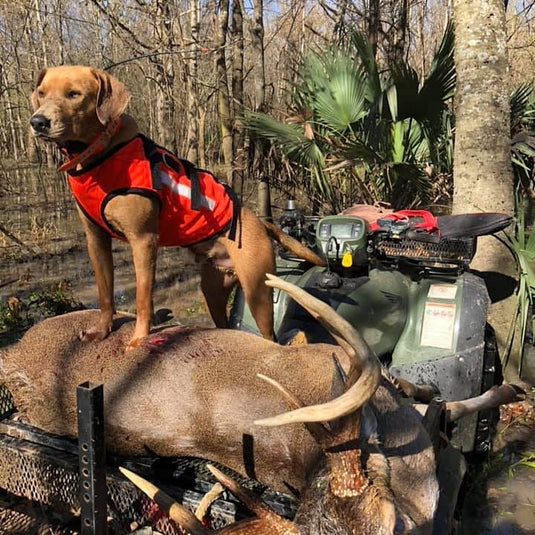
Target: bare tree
237 94
223 93
258 103
165 74
193 151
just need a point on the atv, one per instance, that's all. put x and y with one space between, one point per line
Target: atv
403 280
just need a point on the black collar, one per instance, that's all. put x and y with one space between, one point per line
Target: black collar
72 147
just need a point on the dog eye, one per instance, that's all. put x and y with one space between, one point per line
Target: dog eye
73 94
40 94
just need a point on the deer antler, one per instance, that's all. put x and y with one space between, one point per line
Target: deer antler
267 522
186 519
365 369
343 455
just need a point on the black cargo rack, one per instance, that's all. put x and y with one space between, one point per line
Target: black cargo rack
444 253
44 468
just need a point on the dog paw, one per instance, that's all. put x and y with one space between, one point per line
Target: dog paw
95 334
135 342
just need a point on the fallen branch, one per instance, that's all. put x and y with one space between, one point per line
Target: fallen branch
20 243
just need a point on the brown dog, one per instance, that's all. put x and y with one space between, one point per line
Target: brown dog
81 109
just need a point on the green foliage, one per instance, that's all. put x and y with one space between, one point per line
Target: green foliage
522 103
18 314
522 244
364 135
527 459
359 134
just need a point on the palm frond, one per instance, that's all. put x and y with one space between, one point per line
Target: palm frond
522 106
523 247
410 186
408 142
438 87
290 138
364 51
405 79
337 90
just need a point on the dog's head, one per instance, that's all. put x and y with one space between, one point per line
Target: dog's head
74 103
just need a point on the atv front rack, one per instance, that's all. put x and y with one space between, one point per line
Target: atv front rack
446 254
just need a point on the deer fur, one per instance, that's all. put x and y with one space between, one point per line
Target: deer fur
184 391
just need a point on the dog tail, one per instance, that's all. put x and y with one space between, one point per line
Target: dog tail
293 245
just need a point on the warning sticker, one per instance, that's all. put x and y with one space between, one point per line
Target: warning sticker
438 325
442 291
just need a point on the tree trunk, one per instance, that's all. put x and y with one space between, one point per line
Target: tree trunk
396 35
193 153
237 96
483 179
374 24
223 96
258 75
165 76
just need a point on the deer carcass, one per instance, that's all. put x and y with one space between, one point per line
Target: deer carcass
197 391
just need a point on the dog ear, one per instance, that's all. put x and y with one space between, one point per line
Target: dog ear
112 96
33 98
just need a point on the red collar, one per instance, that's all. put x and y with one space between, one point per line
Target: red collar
98 144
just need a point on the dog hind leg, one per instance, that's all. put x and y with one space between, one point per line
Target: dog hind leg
252 257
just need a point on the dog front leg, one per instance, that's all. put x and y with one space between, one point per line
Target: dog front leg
100 254
136 217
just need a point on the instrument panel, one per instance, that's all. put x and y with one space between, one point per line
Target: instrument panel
343 238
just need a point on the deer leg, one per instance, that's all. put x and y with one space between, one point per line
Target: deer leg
492 398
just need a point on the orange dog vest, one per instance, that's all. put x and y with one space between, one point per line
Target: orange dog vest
194 206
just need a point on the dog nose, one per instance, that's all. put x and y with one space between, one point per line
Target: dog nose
40 123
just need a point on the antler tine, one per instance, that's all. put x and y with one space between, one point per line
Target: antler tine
186 519
360 387
322 312
267 523
316 429
271 523
347 478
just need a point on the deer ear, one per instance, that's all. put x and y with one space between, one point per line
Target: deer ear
112 96
33 98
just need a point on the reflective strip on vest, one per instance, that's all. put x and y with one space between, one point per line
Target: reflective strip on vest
185 191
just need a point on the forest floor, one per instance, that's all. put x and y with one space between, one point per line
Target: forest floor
499 496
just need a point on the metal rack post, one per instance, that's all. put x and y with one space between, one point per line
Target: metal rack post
92 458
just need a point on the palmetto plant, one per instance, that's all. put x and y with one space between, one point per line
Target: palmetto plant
522 135
522 244
363 135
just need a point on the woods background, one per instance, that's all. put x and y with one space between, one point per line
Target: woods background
193 67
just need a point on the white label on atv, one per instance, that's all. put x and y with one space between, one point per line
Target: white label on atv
442 291
438 325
